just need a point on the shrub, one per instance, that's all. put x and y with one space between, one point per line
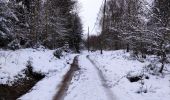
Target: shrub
14 45
58 53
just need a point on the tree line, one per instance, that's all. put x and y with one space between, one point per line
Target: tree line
32 23
137 25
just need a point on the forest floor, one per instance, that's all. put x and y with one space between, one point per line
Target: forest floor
88 76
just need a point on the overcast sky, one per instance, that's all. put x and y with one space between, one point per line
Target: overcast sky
88 13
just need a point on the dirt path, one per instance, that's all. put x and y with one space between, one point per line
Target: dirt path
90 85
67 80
106 88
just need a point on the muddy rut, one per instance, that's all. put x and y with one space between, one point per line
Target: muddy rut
67 80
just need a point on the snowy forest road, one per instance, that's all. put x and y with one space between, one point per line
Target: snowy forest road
84 81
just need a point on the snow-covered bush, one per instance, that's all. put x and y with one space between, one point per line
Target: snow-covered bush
58 53
31 73
14 45
136 76
152 69
62 51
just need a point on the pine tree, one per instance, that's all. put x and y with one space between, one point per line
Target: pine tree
7 20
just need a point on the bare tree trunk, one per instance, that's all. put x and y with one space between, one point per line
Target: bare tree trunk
88 43
103 28
163 62
127 47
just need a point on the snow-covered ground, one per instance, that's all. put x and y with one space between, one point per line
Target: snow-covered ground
87 84
117 64
46 88
101 77
13 62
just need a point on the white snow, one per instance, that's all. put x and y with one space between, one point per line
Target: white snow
46 88
116 65
101 77
13 62
87 85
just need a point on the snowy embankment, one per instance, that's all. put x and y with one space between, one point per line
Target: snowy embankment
12 64
117 65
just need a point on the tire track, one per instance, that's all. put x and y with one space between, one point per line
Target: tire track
67 80
106 88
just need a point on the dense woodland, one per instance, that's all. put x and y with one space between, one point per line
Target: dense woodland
32 23
137 25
